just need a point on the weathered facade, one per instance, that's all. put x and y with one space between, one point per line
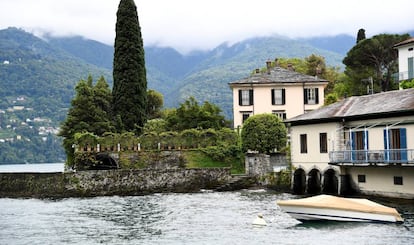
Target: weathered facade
363 143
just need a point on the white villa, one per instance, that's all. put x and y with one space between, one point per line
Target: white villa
363 143
405 59
283 92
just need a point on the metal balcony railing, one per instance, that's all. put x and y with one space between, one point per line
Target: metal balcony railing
363 157
400 76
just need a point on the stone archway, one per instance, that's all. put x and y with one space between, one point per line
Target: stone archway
105 162
330 182
299 181
314 182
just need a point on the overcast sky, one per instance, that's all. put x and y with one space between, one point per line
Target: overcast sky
204 24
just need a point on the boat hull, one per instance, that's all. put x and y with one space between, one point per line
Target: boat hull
309 214
326 207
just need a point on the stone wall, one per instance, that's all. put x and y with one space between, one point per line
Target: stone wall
110 182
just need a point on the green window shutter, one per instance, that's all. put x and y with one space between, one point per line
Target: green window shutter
410 68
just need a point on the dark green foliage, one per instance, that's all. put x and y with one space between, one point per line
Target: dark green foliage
263 133
190 115
374 57
130 82
90 112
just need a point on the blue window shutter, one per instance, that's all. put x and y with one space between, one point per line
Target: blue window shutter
386 145
283 96
353 153
403 143
403 138
366 139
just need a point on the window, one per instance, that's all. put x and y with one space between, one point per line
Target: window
278 96
361 178
246 97
395 144
303 144
245 115
311 96
359 145
280 114
398 180
323 143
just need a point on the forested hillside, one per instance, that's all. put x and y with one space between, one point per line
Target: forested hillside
38 75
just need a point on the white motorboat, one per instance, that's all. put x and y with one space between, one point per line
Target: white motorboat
327 207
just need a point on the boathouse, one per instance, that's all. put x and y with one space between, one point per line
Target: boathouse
362 143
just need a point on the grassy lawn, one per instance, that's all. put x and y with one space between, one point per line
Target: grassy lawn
198 159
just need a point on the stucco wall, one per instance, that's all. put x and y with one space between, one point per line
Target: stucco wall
380 181
110 182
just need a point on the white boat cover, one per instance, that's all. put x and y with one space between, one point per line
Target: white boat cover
341 203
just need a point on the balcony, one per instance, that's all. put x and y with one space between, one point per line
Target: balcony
372 157
400 76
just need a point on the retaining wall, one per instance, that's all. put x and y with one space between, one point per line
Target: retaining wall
110 182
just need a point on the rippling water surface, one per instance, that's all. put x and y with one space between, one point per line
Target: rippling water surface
198 218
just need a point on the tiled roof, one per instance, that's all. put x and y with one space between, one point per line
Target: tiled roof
278 75
408 41
362 106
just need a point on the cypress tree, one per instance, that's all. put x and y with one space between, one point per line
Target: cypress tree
360 35
130 82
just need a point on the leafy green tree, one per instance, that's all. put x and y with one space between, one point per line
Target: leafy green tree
190 115
374 57
360 35
155 104
315 65
263 133
102 101
130 82
89 112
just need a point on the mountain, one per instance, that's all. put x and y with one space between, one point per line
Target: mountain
40 74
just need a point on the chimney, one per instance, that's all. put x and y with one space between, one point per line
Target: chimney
268 66
276 62
290 67
257 70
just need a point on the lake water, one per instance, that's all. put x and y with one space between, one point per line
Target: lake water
197 218
32 168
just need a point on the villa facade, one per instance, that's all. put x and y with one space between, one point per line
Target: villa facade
363 143
276 90
405 59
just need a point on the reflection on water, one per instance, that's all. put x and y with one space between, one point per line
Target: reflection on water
197 218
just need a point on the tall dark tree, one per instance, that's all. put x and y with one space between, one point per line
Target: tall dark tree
130 82
360 35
